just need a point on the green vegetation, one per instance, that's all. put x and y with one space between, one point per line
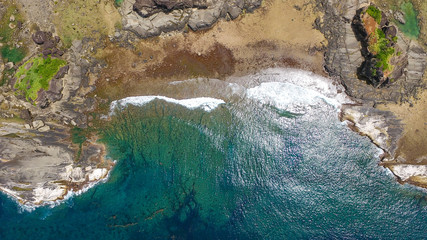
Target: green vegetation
380 49
35 74
14 55
78 135
9 35
410 28
85 18
118 2
375 13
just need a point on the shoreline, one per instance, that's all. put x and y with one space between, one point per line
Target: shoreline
68 194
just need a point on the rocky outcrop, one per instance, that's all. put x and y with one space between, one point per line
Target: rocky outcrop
384 60
48 43
36 166
149 18
381 126
344 56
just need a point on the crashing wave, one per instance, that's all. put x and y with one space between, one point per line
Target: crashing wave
205 103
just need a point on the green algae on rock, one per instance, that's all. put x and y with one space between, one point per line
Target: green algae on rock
378 38
35 74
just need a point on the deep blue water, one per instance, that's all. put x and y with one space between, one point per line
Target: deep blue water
245 170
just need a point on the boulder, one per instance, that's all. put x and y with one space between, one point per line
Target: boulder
398 15
40 37
44 129
203 19
38 124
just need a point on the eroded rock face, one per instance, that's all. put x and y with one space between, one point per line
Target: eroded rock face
149 18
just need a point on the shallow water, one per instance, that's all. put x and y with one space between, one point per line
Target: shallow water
250 168
411 27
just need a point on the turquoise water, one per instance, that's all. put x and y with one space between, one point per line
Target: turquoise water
411 27
245 170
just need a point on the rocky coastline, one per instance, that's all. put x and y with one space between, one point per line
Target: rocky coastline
344 58
39 160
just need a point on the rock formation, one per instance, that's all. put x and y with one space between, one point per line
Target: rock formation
384 60
149 18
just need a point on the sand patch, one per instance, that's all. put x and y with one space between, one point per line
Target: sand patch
413 144
279 34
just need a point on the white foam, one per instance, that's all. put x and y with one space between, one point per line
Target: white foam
205 103
296 90
405 171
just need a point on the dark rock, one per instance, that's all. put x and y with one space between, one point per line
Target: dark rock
26 114
57 39
42 100
390 31
53 97
145 8
62 71
343 57
56 86
40 37
49 44
384 20
369 70
149 18
174 4
46 52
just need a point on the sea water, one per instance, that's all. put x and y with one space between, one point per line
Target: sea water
262 157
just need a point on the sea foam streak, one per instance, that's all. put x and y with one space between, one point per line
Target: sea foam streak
205 103
296 90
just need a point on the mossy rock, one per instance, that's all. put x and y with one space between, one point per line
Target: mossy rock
35 74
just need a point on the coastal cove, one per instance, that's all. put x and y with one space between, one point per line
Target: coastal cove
213 119
228 165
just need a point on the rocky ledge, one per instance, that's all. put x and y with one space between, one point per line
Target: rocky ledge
57 172
149 18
